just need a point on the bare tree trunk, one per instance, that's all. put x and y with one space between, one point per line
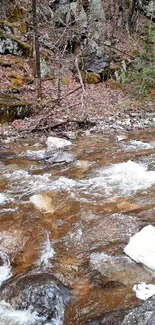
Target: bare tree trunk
37 48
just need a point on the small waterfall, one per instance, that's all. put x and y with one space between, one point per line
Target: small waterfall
47 251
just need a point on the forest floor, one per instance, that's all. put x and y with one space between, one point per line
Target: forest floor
107 105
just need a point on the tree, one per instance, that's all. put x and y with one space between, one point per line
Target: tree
37 48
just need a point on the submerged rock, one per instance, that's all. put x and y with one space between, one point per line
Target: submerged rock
141 247
143 315
39 294
109 318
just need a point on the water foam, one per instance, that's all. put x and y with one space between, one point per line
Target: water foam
123 178
2 198
135 144
47 252
10 316
144 291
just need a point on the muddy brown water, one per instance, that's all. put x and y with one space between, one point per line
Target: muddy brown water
91 209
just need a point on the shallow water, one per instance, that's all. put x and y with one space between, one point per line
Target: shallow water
88 211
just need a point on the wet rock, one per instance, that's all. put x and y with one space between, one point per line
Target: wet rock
43 202
110 318
55 143
141 247
143 315
39 293
117 268
59 157
54 202
12 108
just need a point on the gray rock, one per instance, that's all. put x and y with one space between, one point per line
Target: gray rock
45 69
41 293
10 44
143 315
97 62
96 10
59 157
148 6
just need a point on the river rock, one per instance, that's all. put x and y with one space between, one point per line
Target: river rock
59 157
141 247
117 268
56 143
43 202
143 315
39 293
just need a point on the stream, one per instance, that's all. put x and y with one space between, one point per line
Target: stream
64 227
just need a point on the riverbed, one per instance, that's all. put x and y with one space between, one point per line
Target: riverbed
91 207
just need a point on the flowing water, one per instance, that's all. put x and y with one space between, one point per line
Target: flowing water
74 220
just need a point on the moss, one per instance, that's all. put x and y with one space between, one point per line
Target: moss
17 15
66 81
23 28
18 80
24 46
134 53
113 84
92 78
4 63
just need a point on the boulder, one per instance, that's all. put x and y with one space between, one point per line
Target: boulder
40 294
143 315
9 43
141 247
12 108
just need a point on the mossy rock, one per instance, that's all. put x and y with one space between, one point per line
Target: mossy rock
11 44
12 108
